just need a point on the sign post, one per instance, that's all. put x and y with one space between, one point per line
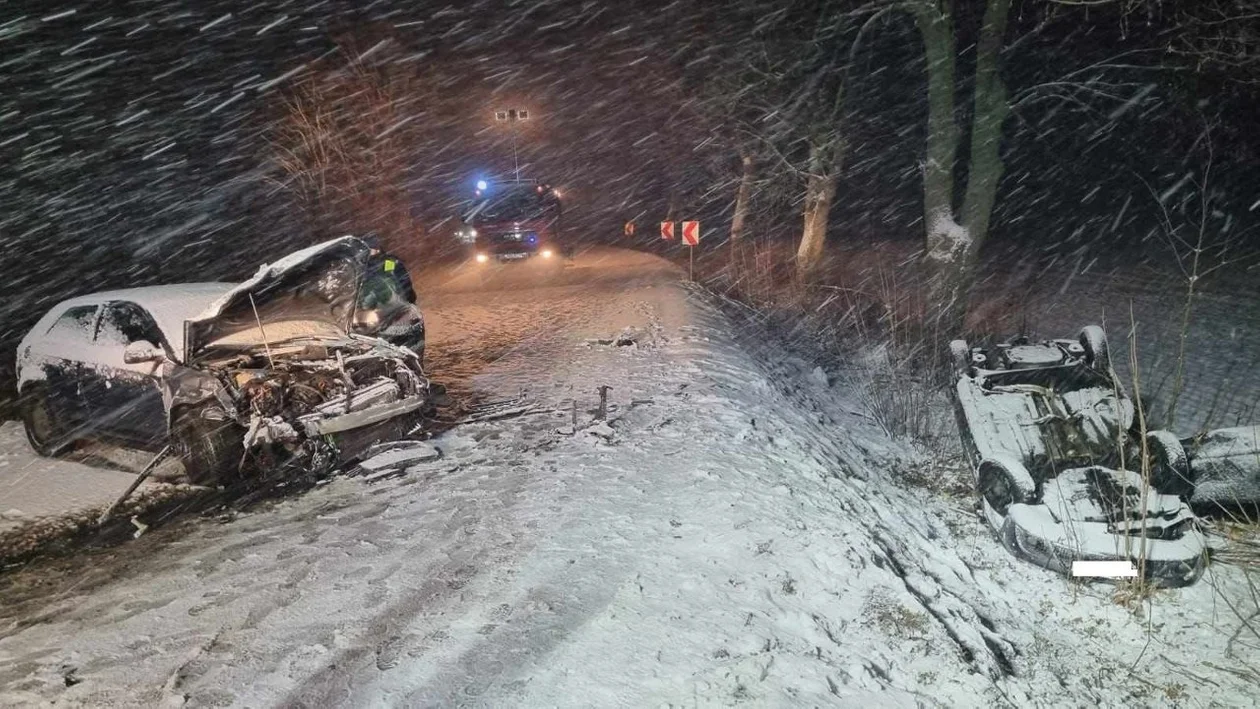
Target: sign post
667 231
511 116
691 237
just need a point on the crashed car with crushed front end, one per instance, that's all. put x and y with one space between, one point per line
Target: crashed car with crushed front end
245 378
1049 433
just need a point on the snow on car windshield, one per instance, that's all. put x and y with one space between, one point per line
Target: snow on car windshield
278 331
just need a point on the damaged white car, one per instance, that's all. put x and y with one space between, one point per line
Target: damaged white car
235 378
1052 440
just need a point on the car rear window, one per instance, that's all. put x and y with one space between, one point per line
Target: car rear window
74 324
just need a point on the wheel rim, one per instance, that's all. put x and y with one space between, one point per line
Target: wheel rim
997 491
40 422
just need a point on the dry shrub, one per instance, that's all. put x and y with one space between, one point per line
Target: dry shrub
863 312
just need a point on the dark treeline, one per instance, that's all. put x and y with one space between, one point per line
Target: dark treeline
137 140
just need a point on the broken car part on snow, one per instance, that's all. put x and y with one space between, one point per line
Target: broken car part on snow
1048 430
241 378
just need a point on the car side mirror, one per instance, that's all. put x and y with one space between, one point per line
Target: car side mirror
142 351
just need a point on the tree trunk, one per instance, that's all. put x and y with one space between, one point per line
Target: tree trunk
952 247
985 168
936 25
820 188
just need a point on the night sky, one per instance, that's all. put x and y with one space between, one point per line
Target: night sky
133 150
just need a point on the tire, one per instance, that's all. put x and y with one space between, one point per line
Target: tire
46 433
1003 483
1094 340
210 449
960 357
1170 464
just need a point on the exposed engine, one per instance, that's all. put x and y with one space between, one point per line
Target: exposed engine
291 399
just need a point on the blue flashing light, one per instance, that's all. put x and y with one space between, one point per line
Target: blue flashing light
481 185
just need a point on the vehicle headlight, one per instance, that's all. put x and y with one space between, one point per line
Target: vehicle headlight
546 253
482 258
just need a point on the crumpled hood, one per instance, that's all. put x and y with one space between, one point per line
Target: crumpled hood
319 283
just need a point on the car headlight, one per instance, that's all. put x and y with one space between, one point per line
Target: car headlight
482 258
546 253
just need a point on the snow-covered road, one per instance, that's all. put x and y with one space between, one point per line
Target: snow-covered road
736 533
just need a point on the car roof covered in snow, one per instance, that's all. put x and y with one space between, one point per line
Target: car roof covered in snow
169 305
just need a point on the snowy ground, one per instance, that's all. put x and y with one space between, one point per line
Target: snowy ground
32 487
1222 346
738 533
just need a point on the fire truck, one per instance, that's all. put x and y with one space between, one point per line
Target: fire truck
516 222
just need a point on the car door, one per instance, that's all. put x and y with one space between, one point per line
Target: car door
126 397
58 356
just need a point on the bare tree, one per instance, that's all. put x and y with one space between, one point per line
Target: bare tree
344 143
790 88
1222 35
1202 240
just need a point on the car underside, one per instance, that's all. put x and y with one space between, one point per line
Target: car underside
1050 435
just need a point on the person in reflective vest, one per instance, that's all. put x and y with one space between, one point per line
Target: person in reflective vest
386 270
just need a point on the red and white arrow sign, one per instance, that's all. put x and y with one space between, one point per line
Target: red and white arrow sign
691 233
667 230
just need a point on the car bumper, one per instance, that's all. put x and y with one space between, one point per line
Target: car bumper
1030 533
323 426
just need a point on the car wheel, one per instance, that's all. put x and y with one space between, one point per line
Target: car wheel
1170 464
44 430
209 447
960 357
1003 483
1094 340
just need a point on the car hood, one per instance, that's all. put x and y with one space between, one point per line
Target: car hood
317 284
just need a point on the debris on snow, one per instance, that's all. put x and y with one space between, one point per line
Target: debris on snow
401 456
628 337
600 432
819 377
602 413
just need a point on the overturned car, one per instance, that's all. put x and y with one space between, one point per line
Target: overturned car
1049 434
235 378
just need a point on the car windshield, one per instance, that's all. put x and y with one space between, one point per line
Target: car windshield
279 331
515 205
